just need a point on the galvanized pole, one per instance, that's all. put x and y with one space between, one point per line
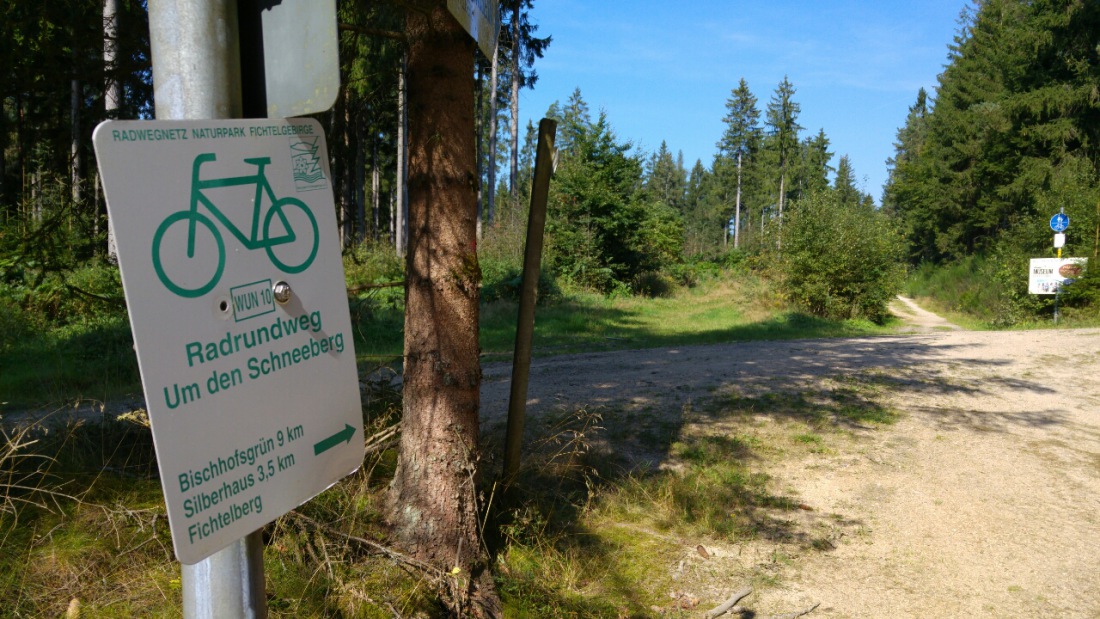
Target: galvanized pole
197 75
525 325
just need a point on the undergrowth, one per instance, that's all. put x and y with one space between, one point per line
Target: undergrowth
991 291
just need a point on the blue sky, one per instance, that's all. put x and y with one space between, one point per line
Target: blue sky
663 70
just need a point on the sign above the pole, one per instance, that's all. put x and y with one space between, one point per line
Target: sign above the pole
230 261
1059 222
290 64
481 18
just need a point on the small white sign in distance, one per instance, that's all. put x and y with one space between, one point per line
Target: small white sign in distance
1048 275
230 260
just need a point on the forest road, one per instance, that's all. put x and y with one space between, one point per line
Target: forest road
982 500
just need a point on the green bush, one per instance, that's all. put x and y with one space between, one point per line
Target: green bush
840 261
507 285
15 324
371 263
653 285
501 255
1084 293
973 285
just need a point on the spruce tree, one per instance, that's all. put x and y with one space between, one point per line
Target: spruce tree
783 128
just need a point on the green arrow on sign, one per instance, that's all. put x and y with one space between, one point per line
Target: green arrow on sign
343 436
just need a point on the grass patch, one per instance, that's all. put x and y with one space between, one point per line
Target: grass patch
92 359
739 307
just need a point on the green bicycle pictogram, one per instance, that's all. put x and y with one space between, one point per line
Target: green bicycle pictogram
255 240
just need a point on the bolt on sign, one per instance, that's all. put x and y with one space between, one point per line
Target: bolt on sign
230 260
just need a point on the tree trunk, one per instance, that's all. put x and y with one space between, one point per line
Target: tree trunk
494 83
347 201
432 503
737 209
360 172
397 224
4 203
479 120
112 97
782 194
375 182
517 48
75 160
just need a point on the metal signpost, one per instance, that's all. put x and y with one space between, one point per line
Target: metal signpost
233 278
1049 275
1059 223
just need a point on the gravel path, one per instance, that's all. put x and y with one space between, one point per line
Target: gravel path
982 501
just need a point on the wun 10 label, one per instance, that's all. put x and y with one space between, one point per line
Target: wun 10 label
251 300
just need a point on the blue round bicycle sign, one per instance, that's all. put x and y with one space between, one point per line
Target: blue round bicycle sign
1059 222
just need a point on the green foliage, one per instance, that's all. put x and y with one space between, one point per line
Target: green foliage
63 333
1013 136
372 262
500 255
992 290
840 261
1085 292
966 286
602 230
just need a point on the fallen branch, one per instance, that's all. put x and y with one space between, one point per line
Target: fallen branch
382 441
724 607
364 287
115 301
797 614
400 558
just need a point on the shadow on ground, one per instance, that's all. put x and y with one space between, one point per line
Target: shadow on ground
662 426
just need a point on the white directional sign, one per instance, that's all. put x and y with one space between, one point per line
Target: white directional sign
300 53
481 18
231 264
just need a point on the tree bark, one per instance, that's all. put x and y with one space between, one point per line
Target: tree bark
397 221
347 199
3 160
517 49
75 159
432 503
494 83
375 182
112 96
737 209
479 122
782 196
360 174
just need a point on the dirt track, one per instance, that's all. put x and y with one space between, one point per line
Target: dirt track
983 500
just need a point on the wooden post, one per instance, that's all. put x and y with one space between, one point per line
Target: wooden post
525 327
